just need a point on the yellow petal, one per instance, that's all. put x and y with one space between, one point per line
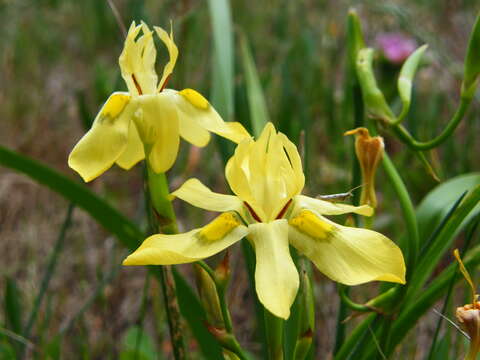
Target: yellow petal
348 255
190 127
197 194
276 277
137 61
193 105
188 247
134 152
237 172
105 142
329 208
295 161
157 125
172 53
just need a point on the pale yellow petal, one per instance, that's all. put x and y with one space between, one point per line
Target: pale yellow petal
323 207
137 61
193 105
348 255
105 142
197 194
237 173
188 247
295 161
134 152
276 277
167 39
157 124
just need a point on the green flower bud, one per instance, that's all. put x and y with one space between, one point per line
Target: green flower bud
375 102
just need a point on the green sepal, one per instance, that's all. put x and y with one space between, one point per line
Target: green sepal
405 79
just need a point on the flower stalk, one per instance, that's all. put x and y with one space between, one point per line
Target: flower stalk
164 220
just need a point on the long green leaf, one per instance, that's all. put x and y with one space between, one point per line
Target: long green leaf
437 203
223 89
256 99
106 215
443 241
222 96
408 317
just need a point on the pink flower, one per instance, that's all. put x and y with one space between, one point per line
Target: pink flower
396 47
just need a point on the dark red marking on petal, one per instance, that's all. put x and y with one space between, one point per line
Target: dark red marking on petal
284 210
137 85
252 212
165 83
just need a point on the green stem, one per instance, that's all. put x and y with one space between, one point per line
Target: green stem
408 212
161 202
407 138
166 223
52 262
274 331
349 302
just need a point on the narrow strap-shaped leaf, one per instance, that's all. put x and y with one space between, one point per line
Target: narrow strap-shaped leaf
442 243
256 99
105 214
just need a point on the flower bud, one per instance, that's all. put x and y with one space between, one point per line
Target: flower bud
307 318
374 100
209 297
369 151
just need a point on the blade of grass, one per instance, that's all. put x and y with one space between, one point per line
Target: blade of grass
222 96
256 100
51 264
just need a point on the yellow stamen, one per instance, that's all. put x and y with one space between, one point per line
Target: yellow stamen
311 225
195 98
220 227
467 277
115 105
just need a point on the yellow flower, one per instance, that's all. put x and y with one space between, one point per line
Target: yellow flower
148 120
267 178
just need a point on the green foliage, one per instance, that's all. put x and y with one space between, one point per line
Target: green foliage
137 345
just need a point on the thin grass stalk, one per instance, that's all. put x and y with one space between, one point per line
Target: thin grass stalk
141 315
51 265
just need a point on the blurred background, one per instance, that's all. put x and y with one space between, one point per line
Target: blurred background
59 63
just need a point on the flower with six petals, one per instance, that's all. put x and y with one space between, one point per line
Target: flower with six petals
268 209
148 120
